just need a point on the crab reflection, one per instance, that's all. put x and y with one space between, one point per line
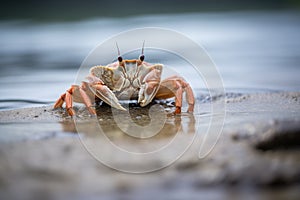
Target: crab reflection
105 125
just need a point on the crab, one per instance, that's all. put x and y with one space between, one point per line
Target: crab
126 80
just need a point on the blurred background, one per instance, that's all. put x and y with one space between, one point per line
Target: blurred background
255 44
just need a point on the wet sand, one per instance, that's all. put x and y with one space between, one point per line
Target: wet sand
256 157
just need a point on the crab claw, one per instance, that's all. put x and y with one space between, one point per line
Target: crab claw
106 95
150 86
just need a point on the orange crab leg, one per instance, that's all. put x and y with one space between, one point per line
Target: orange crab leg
175 86
60 101
68 98
87 101
69 101
190 98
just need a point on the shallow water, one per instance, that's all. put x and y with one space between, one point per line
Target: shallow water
253 51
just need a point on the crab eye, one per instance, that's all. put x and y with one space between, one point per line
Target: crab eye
120 59
142 57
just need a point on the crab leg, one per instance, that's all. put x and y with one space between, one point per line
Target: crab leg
87 101
175 86
69 101
68 98
60 101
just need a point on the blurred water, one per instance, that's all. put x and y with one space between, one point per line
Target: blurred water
252 50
